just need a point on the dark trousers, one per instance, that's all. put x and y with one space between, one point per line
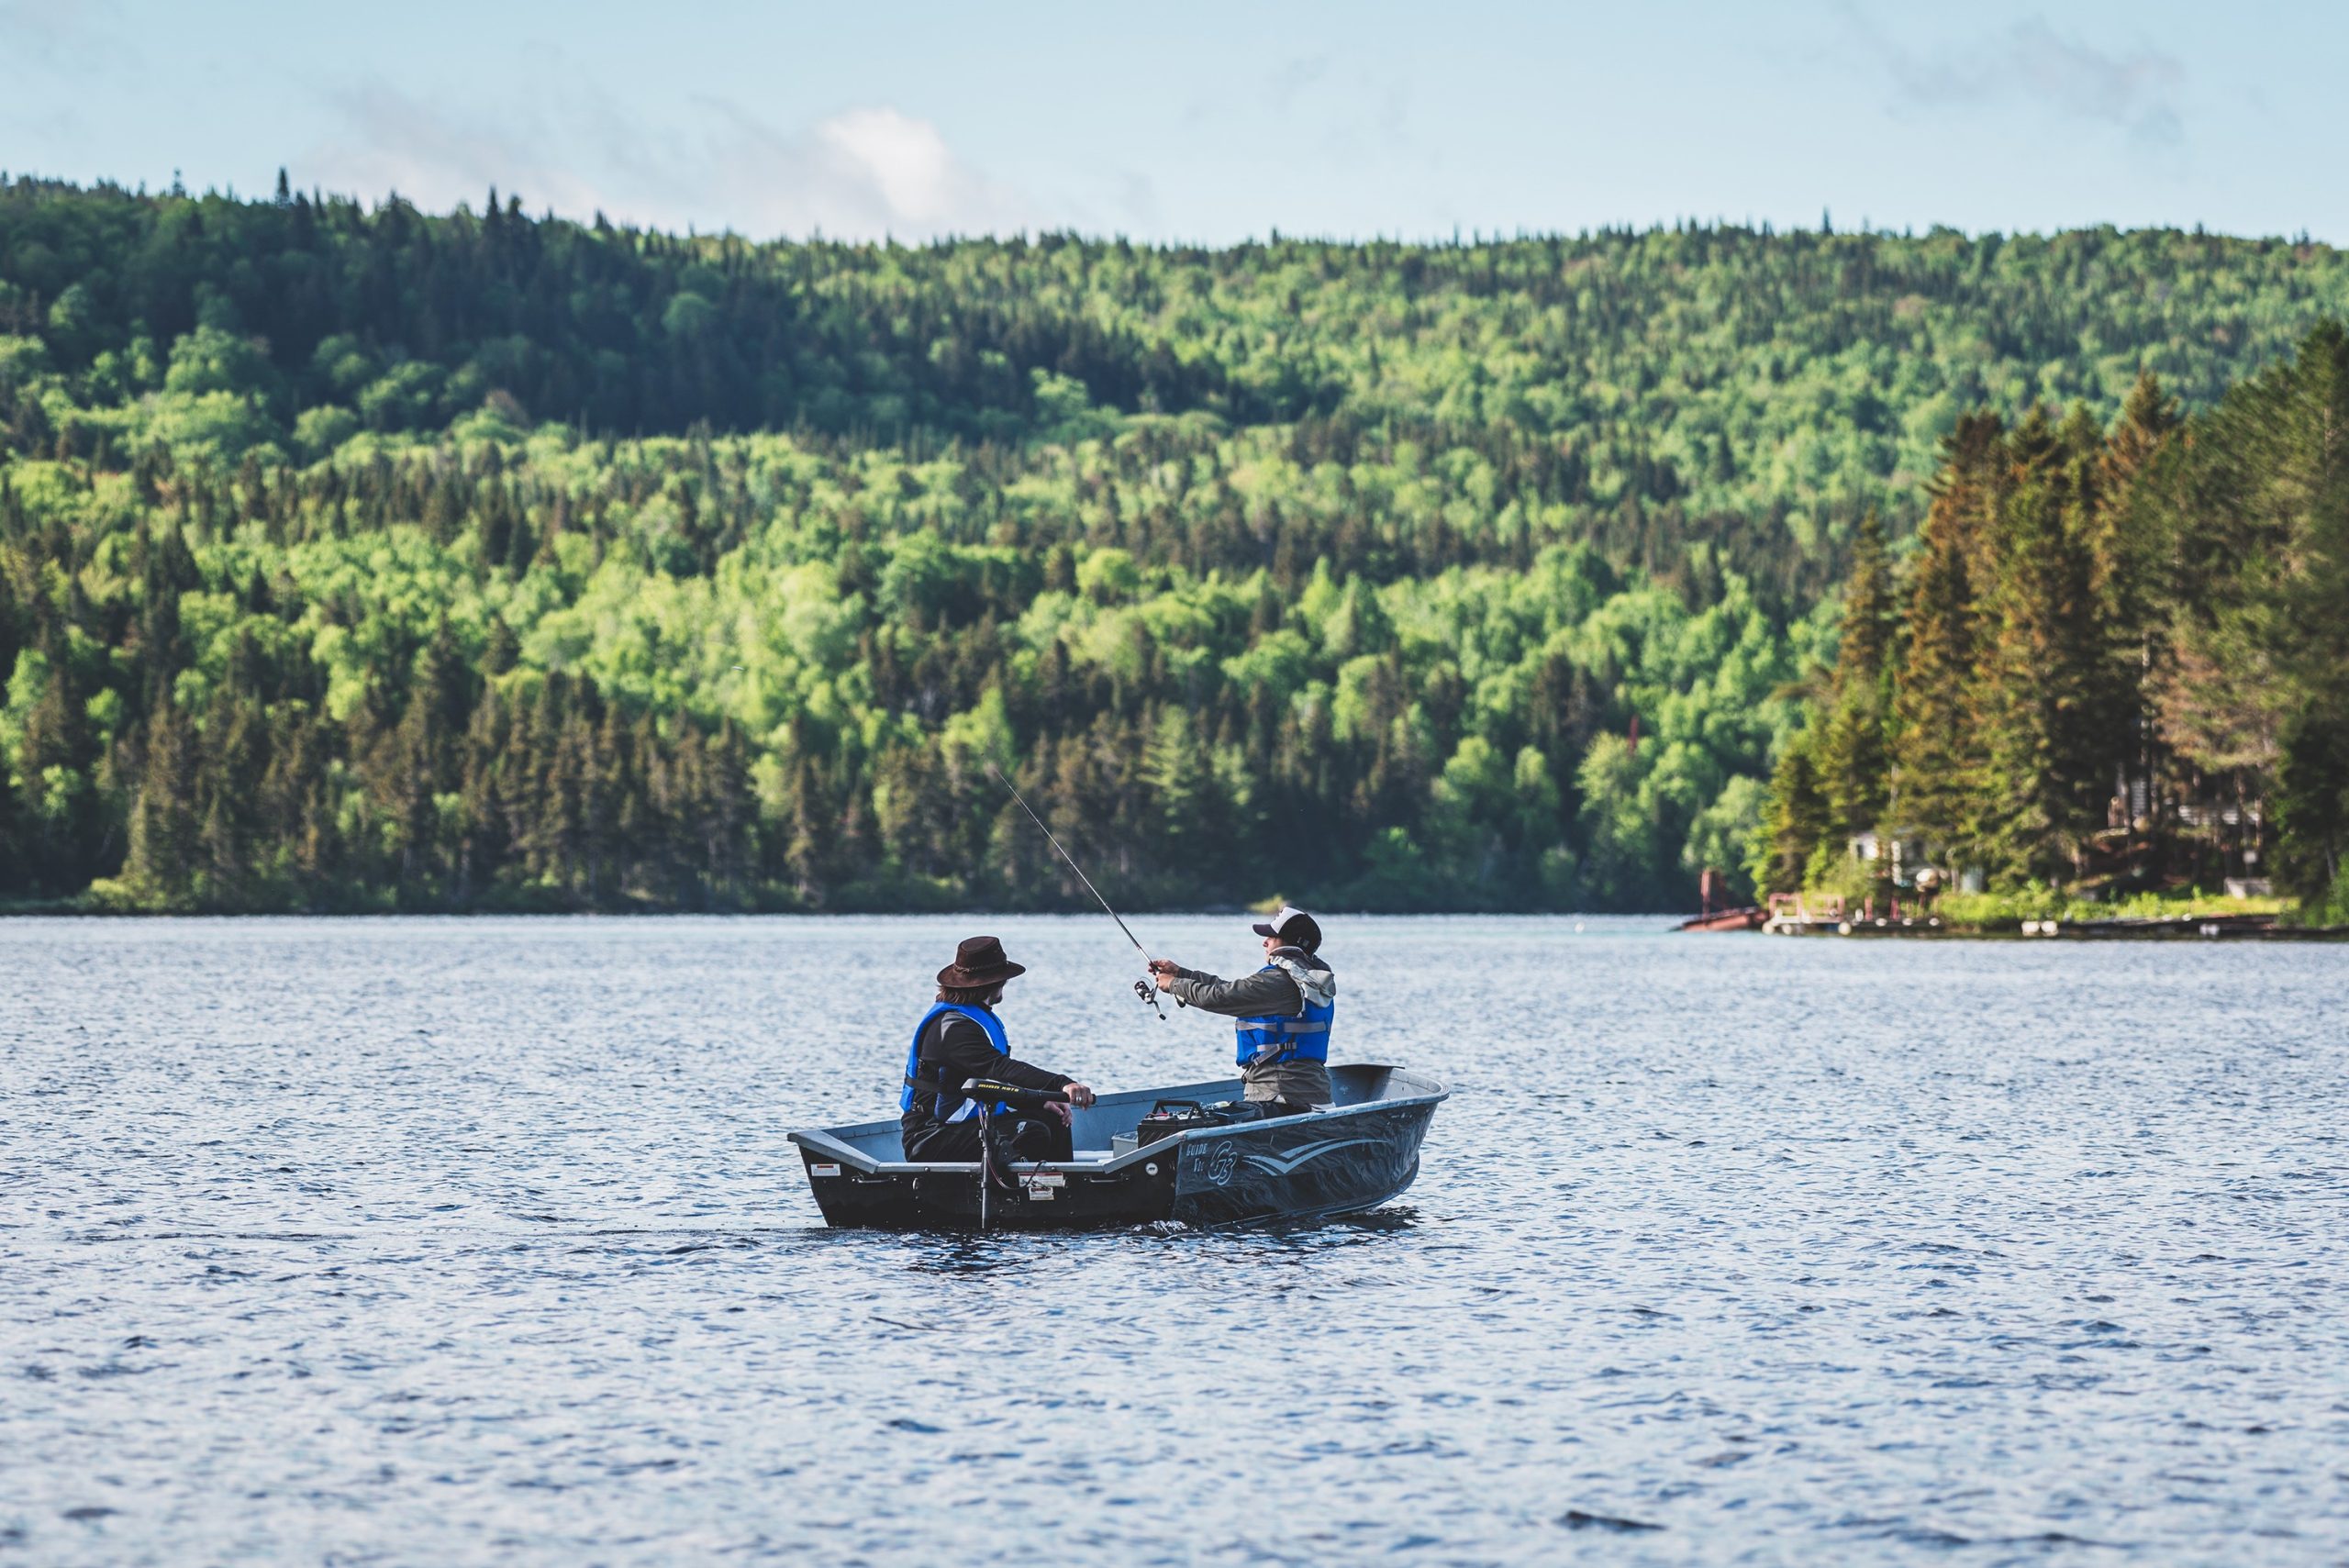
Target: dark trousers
1031 1138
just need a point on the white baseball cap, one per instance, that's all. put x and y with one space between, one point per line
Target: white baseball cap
1284 919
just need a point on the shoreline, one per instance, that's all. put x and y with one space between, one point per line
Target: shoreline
2184 927
2194 927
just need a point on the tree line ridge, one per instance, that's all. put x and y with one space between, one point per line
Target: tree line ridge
355 558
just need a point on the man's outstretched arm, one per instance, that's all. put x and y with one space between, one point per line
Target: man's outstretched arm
1267 993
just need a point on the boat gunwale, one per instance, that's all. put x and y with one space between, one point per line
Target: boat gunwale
825 1141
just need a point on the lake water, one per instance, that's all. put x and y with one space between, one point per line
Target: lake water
435 1241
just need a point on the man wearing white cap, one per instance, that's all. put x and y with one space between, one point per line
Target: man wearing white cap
1283 1012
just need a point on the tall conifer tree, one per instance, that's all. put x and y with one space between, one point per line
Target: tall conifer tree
1938 768
1855 757
2037 699
1795 822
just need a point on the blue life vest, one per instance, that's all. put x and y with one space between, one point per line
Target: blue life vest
950 1104
1304 1038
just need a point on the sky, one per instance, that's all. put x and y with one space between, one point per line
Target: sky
1211 122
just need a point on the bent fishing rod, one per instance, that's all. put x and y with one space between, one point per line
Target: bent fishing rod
1143 988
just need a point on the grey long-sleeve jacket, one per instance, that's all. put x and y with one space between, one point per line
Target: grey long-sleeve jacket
1268 993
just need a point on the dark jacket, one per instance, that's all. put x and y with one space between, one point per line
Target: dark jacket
961 1049
1268 993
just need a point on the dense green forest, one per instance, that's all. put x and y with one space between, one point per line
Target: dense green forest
355 558
2118 662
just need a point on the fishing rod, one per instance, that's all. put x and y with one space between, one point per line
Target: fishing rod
1143 988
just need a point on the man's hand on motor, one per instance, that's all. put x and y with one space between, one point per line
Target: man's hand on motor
1079 1096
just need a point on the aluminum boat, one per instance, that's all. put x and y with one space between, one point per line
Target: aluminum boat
1145 1155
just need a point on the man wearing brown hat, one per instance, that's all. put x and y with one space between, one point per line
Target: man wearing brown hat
961 1039
1283 1013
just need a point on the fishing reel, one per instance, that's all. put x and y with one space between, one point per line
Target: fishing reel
1148 993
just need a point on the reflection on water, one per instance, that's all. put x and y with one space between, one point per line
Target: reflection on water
436 1240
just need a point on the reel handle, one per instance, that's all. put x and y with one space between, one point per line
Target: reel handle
1149 994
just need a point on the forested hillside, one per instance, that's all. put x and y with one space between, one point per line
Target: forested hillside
356 558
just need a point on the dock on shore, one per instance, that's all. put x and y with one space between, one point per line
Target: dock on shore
1831 915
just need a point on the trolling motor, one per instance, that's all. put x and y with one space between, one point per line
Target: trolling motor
995 1154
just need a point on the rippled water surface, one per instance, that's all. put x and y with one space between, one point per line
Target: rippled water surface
426 1242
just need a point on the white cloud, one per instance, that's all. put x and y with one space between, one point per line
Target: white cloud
75 34
905 159
387 142
861 173
2136 90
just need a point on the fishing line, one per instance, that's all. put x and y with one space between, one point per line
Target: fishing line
1143 988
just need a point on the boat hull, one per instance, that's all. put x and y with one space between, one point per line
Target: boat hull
947 1198
1301 1167
1341 1160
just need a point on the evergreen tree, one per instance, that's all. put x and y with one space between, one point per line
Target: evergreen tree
2036 704
1854 754
2126 548
1940 761
161 860
2254 686
1797 822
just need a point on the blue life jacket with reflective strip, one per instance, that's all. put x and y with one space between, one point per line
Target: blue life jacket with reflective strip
949 1104
1304 1037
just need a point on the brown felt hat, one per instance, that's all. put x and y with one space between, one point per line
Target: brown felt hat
978 960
